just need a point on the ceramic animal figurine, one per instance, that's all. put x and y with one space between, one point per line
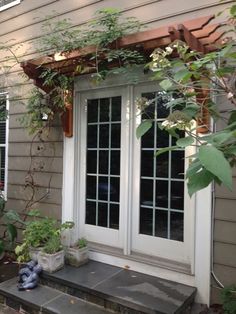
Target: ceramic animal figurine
29 276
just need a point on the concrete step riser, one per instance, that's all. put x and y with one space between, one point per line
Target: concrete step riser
88 296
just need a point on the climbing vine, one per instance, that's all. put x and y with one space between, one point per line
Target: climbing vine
106 58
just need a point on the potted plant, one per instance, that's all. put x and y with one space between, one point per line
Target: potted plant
77 254
37 234
51 258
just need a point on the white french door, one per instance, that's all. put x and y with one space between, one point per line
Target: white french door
162 215
102 145
127 198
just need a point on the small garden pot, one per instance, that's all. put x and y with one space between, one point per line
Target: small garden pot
51 262
76 256
34 253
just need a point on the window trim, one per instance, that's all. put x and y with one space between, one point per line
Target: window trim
6 145
9 5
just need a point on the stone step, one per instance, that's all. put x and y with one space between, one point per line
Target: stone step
122 290
43 300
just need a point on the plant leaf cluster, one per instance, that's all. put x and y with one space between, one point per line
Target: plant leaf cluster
195 83
60 37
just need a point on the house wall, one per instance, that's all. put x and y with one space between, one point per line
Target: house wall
224 227
22 24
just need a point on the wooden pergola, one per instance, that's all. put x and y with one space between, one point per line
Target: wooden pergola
198 33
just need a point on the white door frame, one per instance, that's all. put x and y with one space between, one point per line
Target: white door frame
201 250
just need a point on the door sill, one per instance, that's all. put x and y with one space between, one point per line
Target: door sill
141 258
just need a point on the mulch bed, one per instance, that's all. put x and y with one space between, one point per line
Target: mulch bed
8 268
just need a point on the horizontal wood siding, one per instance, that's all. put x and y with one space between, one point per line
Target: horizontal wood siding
22 24
224 227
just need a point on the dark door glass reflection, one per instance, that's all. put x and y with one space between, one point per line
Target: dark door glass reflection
146 220
103 162
161 177
161 223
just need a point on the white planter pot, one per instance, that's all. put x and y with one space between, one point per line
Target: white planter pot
51 262
76 257
34 253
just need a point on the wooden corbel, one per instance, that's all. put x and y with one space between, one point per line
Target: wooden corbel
203 121
67 116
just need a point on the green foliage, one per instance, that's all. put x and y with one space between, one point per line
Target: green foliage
41 232
10 218
143 128
1 247
38 232
189 78
228 297
3 111
53 245
22 253
213 161
2 204
60 37
81 243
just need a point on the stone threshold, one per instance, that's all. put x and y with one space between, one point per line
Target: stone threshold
122 290
43 300
97 288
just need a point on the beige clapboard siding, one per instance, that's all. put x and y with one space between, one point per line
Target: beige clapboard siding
152 13
225 224
226 275
229 231
15 121
44 164
225 210
22 135
18 177
18 192
46 209
225 254
223 192
49 149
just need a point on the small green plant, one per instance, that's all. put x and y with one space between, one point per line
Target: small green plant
9 218
53 245
228 297
38 232
81 243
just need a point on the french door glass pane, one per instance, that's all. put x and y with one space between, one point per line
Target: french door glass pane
103 162
162 179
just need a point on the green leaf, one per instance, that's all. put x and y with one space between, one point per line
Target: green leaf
172 132
194 167
225 70
143 128
12 216
191 110
225 51
232 117
12 232
199 181
1 247
2 205
222 137
34 213
215 162
233 10
164 150
185 141
166 84
182 75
